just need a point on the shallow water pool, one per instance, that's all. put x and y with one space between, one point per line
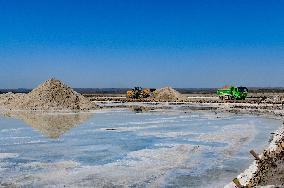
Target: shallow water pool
120 148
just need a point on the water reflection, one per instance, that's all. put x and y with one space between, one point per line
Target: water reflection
51 125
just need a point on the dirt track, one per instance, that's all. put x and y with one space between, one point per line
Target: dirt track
258 103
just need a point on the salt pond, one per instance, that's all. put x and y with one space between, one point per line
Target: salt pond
120 148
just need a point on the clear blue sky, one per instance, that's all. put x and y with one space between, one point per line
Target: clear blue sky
154 43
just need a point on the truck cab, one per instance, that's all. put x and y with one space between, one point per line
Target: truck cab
240 93
232 92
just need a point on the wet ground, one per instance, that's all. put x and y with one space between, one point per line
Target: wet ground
120 148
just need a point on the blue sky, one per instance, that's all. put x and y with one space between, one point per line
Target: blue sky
149 43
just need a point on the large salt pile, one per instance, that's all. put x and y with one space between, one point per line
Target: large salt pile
51 95
168 94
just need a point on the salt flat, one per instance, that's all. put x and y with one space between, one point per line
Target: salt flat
120 148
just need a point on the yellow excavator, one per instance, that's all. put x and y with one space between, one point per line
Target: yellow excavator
139 93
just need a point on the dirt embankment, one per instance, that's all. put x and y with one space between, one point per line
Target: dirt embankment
52 95
268 168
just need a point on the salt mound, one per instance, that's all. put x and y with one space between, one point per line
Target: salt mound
52 95
168 94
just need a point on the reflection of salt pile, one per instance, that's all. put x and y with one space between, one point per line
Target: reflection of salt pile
51 95
168 94
51 125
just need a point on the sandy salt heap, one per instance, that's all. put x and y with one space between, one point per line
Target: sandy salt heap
168 94
51 95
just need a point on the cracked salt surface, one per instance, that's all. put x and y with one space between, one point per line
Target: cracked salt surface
123 149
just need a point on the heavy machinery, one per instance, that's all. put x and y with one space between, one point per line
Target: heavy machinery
232 92
139 93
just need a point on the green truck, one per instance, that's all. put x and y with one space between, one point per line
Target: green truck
231 92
